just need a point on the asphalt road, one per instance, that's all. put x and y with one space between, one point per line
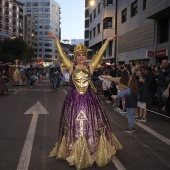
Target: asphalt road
26 139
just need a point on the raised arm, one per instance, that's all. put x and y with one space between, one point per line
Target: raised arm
96 61
66 62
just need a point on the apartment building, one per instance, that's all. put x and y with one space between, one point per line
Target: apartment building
143 27
47 17
29 30
144 31
11 19
99 25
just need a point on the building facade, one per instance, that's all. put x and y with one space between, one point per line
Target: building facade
144 31
29 30
99 25
143 28
11 19
47 17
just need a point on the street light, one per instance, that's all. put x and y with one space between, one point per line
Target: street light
92 3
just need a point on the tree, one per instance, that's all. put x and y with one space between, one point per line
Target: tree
16 49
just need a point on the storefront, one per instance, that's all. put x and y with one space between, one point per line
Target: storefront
158 55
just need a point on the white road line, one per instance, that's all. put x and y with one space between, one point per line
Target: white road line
158 113
117 163
154 133
65 91
17 91
27 149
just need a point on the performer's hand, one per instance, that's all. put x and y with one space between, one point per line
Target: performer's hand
112 38
114 96
51 35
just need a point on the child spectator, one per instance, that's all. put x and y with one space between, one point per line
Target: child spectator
131 102
143 94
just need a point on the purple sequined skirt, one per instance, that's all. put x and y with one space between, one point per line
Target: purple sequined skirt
84 117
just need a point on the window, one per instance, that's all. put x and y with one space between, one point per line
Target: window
98 28
47 27
90 34
48 50
28 4
28 9
86 23
48 56
40 44
35 9
109 2
94 13
134 8
124 15
144 4
47 3
86 34
163 30
94 31
35 4
47 9
90 17
107 23
99 8
48 44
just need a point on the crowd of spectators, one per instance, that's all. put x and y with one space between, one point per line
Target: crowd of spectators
152 81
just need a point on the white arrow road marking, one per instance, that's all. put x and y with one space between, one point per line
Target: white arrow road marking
26 152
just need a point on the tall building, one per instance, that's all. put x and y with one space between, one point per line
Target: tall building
11 19
144 31
47 17
99 25
143 28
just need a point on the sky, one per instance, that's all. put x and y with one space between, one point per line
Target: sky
72 19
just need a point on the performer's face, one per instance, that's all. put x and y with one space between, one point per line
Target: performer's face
81 58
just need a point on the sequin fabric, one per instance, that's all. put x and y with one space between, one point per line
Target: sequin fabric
85 134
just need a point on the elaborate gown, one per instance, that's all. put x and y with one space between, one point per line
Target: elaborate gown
85 134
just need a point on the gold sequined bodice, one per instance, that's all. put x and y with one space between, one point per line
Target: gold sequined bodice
81 79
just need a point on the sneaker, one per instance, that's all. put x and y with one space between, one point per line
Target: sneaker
121 111
136 116
127 131
142 120
133 129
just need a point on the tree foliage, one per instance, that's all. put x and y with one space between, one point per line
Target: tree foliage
11 49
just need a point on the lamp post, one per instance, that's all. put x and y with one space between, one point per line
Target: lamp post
92 3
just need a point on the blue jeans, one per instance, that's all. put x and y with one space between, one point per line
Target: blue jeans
130 116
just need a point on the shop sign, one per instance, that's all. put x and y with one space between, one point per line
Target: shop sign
158 53
150 53
161 53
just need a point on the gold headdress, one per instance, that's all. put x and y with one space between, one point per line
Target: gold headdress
80 48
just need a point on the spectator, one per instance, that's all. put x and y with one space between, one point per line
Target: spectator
152 85
163 78
131 102
143 94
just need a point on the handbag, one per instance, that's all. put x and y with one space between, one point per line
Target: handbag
165 94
